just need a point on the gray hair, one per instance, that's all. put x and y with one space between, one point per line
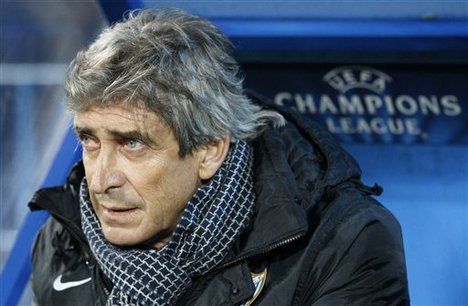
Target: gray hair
180 66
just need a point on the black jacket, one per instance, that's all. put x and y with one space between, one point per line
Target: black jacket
317 238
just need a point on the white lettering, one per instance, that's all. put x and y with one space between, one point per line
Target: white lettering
365 76
332 127
281 97
349 77
363 127
350 106
336 82
406 105
377 125
326 105
412 126
347 125
396 126
429 105
373 102
305 103
451 105
389 105
379 84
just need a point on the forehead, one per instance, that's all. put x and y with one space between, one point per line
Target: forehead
120 118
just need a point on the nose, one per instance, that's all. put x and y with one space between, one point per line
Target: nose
105 173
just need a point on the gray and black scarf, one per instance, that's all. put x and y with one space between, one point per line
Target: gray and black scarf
213 219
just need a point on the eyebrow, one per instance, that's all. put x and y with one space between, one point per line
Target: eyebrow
122 135
82 130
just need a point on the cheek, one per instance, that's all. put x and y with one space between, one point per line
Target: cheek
165 189
145 178
150 185
167 197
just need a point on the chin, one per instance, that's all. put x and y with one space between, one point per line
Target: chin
118 237
136 236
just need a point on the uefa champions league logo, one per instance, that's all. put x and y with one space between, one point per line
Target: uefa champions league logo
349 77
365 101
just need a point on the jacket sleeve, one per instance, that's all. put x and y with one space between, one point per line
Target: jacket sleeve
362 263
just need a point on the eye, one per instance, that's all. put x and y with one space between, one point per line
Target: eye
134 144
89 143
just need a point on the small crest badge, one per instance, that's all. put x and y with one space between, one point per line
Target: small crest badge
259 280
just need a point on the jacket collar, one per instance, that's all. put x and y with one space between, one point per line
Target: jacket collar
279 215
63 201
330 162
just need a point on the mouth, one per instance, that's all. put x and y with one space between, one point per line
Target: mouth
118 213
117 210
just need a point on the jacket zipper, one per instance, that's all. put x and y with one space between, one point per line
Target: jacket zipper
263 251
185 297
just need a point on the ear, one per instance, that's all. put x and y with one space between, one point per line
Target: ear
212 156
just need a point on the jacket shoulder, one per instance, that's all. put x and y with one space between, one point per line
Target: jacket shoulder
356 255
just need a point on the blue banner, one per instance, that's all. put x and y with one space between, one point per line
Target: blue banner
405 104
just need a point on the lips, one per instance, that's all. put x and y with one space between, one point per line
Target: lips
121 215
117 209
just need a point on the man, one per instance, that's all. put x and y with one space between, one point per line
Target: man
192 192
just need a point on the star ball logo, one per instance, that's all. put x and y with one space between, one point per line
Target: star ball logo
350 77
363 103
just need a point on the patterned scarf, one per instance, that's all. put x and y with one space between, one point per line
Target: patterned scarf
212 220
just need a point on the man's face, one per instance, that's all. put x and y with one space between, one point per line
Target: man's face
138 184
